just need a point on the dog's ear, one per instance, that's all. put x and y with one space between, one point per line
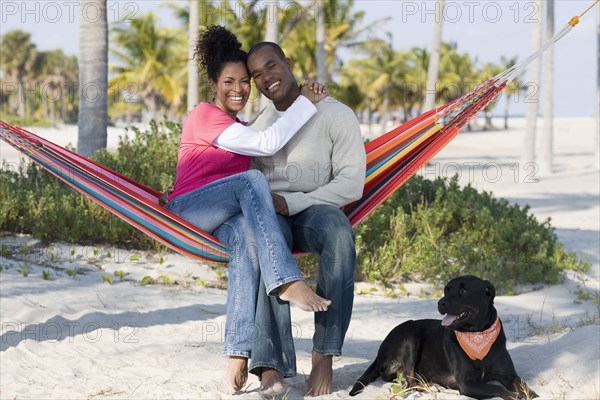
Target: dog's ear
490 290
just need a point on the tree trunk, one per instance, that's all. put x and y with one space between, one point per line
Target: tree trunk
193 85
384 110
433 69
53 111
533 106
369 118
322 75
93 77
547 139
22 98
506 106
271 34
597 140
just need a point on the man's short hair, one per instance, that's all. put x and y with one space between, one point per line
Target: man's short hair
276 48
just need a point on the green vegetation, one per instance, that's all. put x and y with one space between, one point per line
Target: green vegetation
38 204
428 230
149 64
435 230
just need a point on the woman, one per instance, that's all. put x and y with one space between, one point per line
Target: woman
214 184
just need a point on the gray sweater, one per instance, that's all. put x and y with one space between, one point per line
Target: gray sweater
324 163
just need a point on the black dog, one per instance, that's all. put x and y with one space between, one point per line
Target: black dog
431 350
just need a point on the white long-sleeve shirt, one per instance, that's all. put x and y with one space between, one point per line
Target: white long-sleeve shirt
241 139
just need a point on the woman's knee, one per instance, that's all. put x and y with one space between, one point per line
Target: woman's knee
256 179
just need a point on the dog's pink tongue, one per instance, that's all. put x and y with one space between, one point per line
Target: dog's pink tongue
448 319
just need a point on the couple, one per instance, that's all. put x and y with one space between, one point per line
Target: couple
314 158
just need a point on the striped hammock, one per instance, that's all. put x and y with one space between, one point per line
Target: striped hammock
391 160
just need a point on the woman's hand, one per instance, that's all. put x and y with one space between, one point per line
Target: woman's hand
314 91
164 198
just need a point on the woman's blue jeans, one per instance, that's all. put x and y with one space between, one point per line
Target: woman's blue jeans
324 230
256 244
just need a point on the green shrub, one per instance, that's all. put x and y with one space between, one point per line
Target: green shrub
37 203
428 230
434 230
27 121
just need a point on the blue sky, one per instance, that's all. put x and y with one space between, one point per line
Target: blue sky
486 30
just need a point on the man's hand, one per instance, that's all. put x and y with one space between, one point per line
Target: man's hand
164 198
280 204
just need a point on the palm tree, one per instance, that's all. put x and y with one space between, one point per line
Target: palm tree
533 106
93 79
321 56
69 106
192 74
511 89
597 144
385 70
271 35
272 22
355 76
489 71
49 71
416 79
153 60
433 69
17 57
457 73
343 28
547 140
247 24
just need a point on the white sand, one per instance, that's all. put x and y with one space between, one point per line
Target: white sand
82 338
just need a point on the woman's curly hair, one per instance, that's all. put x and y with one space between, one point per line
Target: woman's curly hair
215 47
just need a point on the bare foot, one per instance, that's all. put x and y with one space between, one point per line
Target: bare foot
299 293
237 373
319 381
271 383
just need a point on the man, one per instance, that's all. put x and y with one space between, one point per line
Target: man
321 169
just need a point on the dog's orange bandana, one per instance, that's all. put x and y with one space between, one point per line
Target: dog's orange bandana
478 344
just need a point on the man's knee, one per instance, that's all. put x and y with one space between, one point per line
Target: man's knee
335 224
332 228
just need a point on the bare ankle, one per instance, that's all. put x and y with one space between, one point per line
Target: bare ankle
321 375
271 382
237 373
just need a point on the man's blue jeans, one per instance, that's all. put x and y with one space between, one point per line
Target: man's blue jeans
324 230
239 211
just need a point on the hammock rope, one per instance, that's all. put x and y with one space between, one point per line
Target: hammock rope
391 160
513 72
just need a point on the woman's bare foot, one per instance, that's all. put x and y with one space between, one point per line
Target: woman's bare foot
321 375
271 383
237 373
299 293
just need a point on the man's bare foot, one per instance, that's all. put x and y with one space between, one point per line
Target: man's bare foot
321 376
299 293
271 383
237 373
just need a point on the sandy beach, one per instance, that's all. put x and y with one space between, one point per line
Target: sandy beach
76 336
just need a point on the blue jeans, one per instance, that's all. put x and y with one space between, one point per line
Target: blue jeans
324 230
239 211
